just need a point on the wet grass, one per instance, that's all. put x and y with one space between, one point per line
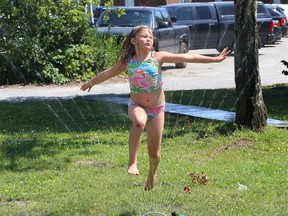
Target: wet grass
275 98
69 157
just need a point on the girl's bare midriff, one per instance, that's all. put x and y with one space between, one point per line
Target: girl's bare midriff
149 100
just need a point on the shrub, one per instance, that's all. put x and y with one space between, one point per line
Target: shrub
50 42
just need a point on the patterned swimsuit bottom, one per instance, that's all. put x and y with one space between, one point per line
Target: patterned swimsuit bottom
151 112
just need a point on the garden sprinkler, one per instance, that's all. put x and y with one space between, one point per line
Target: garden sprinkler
154 213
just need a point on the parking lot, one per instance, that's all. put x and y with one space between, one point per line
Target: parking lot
195 76
221 75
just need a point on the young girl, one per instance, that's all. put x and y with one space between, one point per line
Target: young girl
147 101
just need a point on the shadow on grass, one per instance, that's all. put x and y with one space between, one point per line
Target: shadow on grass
36 134
275 98
22 154
130 213
62 115
82 115
32 133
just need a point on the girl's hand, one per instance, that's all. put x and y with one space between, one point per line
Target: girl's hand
87 85
222 56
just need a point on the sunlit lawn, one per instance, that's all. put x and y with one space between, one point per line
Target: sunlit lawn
69 157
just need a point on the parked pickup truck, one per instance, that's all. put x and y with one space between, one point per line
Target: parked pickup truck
174 39
211 24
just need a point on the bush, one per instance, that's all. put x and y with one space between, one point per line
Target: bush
50 42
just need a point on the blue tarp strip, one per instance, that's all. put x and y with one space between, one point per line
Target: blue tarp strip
194 111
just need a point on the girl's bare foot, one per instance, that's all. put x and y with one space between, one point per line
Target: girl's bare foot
149 183
132 169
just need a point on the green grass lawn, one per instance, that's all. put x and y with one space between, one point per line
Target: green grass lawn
69 157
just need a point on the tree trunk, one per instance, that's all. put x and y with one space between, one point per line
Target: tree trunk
250 108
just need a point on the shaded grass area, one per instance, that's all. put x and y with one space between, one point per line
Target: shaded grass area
82 115
275 98
69 157
61 116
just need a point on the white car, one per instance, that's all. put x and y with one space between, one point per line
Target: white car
284 7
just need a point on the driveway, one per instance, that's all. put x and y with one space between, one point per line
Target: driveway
221 75
195 76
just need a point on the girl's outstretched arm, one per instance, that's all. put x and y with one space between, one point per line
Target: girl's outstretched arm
103 76
166 57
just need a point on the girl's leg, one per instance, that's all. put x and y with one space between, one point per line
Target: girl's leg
139 118
154 131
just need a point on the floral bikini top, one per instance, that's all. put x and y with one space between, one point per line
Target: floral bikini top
146 76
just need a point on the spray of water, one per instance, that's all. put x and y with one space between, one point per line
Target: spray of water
112 122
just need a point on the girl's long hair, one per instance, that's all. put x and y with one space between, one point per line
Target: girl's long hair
127 51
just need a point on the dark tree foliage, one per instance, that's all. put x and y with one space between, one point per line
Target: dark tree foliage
48 42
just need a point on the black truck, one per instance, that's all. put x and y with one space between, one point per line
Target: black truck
211 24
174 39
